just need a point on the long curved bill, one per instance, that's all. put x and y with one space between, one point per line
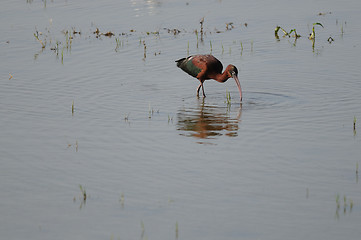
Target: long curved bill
238 85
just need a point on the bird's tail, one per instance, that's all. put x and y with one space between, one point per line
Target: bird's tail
180 61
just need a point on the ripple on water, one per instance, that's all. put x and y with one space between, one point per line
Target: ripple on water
212 117
261 100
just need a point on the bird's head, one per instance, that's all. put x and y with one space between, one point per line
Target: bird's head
233 73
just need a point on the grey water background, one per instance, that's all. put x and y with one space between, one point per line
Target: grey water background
157 162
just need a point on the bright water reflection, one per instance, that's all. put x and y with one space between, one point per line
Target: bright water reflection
145 7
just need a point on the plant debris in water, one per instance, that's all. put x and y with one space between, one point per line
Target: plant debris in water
229 26
72 108
83 192
98 33
173 31
36 35
323 13
347 205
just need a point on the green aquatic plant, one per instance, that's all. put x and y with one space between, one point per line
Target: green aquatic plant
121 200
151 111
338 201
295 35
286 33
170 119
72 108
354 122
347 205
83 192
196 32
188 48
40 41
313 34
68 39
145 50
342 29
228 98
351 204
118 43
357 168
62 56
280 28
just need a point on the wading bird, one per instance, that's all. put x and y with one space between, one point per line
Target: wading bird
204 67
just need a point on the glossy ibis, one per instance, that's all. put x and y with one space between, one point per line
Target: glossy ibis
204 67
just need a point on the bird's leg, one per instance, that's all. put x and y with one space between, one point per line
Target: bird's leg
204 95
199 87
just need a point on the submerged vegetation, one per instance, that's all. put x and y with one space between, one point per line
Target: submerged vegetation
83 196
83 192
72 108
354 125
347 205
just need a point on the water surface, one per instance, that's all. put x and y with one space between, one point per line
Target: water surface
156 161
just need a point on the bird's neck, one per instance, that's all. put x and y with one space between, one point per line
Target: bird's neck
221 77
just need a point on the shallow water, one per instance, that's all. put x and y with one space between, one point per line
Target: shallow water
156 161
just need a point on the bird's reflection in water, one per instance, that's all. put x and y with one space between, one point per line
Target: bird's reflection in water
207 121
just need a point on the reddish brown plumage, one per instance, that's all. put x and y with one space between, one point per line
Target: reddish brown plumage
204 67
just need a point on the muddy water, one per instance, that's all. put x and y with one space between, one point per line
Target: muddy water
157 162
